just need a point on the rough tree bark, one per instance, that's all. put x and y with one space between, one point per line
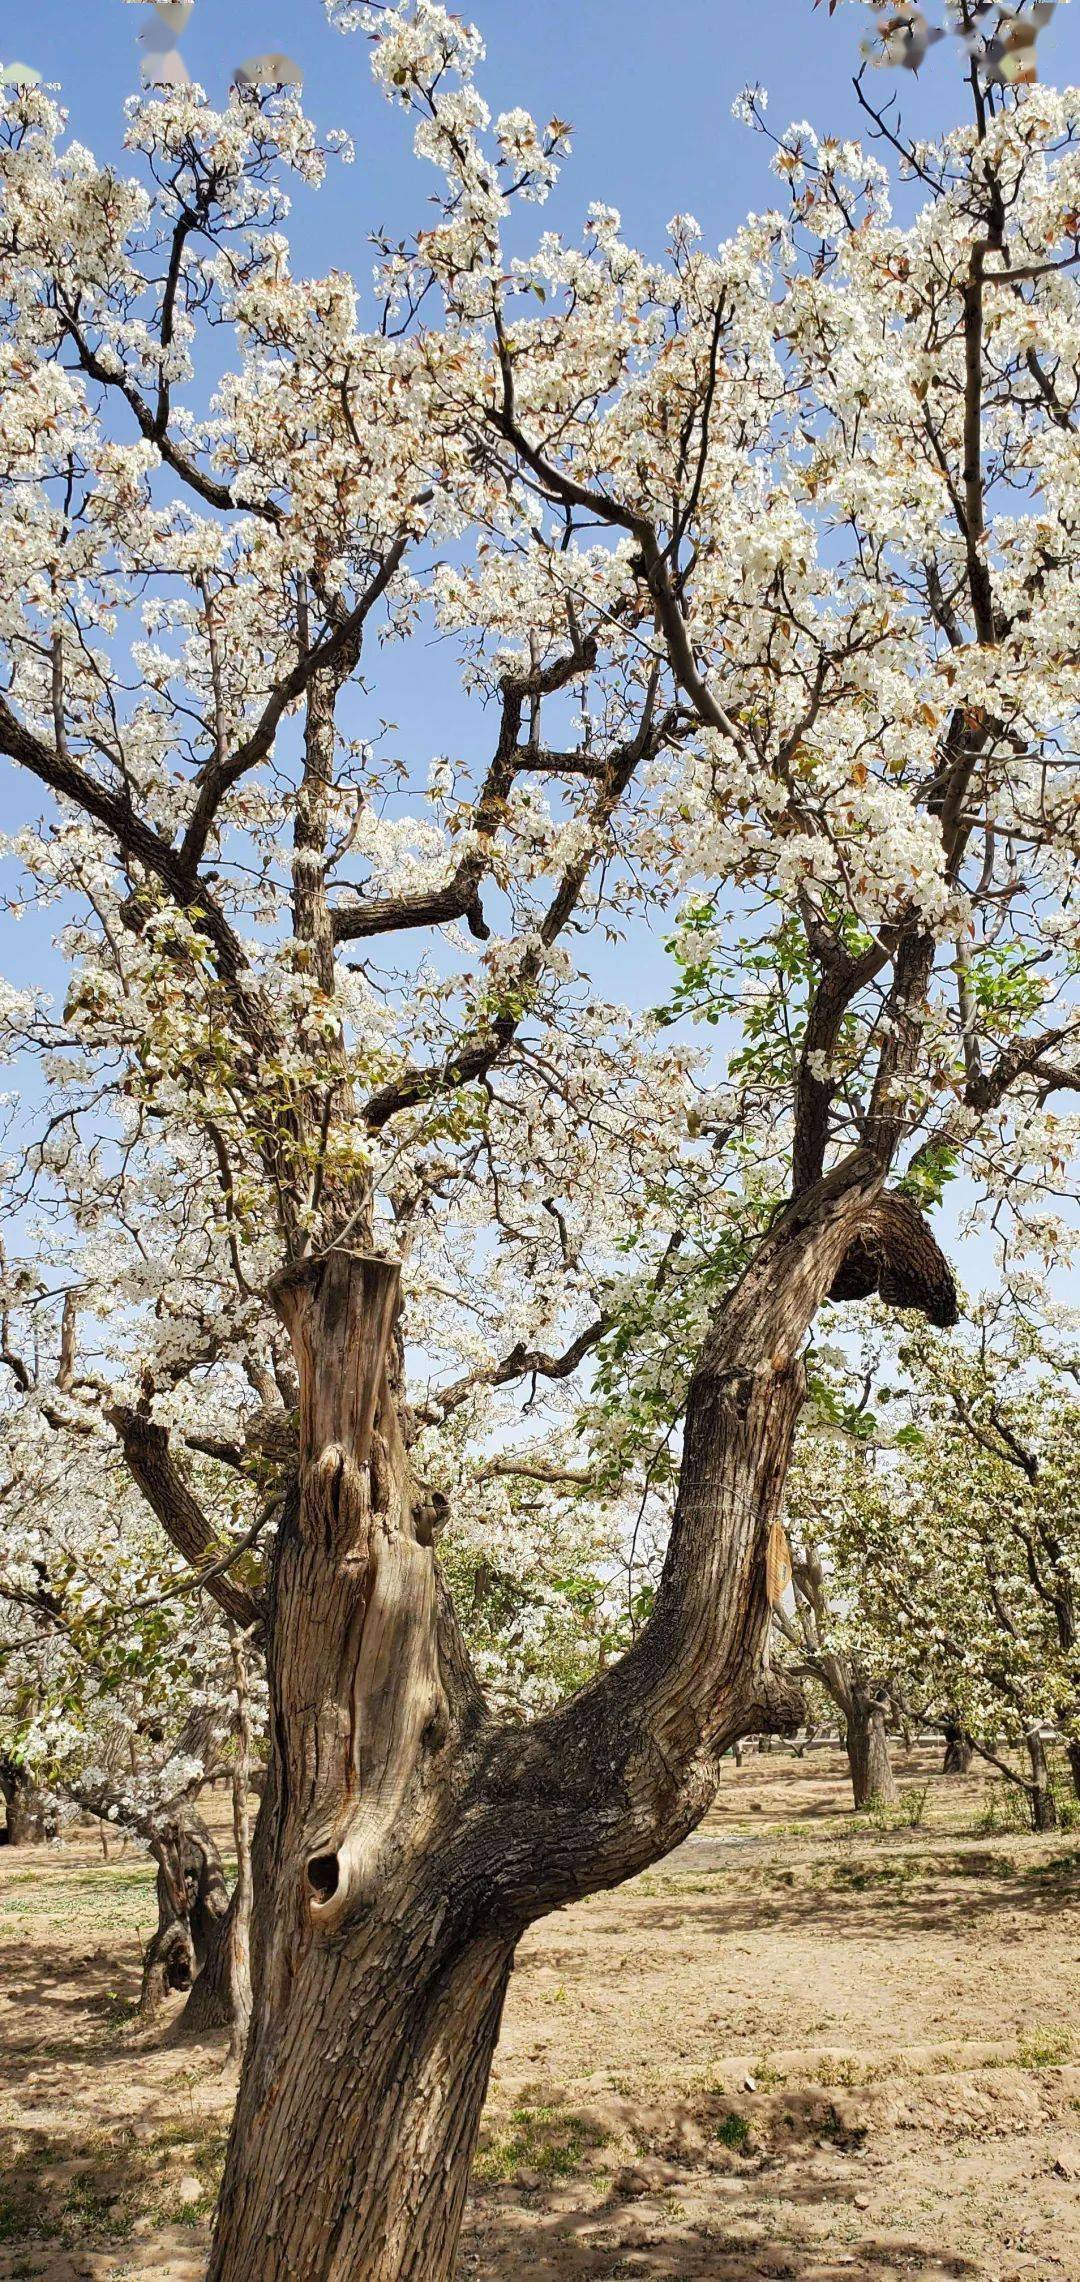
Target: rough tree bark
1043 1804
867 1743
192 1899
210 2003
239 1911
22 1822
959 1751
406 1839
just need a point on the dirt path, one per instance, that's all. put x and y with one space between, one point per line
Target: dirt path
805 2046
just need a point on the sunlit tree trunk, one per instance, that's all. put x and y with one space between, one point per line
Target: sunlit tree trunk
406 1839
872 1780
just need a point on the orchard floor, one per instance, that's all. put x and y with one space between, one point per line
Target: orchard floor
808 2045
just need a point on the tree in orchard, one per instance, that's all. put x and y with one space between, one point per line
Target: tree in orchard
823 1509
116 1695
968 1557
761 572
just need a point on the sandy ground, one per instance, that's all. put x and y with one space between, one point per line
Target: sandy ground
805 2046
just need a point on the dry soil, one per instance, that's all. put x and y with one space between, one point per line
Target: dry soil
808 2045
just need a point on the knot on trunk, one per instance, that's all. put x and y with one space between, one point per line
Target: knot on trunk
897 1255
336 1495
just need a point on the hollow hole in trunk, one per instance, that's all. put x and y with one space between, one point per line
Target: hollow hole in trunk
322 1876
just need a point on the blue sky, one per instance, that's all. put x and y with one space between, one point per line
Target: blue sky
648 89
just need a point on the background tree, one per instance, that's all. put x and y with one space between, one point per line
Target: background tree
114 1688
760 570
969 1554
854 1663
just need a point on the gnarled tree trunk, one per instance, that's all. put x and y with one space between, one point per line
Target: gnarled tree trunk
23 1821
867 1741
192 1899
959 1751
210 2004
406 1839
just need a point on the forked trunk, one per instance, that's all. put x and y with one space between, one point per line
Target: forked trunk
872 1780
405 1839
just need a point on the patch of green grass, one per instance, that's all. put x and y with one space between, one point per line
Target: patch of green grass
898 1872
1043 2048
907 1811
118 1897
119 2179
732 2131
89 2209
551 2141
1005 1808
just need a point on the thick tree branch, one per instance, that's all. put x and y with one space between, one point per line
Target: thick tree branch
150 1463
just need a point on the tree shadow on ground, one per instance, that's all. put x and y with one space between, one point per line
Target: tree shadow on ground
85 2188
901 1893
626 2240
780 2195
